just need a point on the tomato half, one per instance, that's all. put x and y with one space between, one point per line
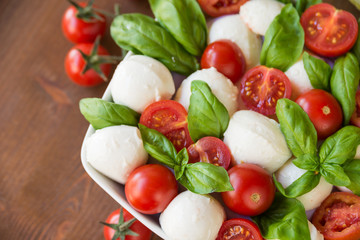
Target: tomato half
261 87
338 217
216 8
355 118
169 118
328 31
323 110
226 57
239 229
136 227
150 188
254 190
211 150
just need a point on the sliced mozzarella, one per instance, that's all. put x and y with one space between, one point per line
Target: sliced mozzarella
116 151
255 138
221 86
233 28
139 81
192 216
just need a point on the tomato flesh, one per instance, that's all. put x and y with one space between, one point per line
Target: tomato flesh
239 229
355 118
216 8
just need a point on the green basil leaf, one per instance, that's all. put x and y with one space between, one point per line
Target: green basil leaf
356 48
344 82
300 133
334 174
101 113
340 146
207 116
181 160
318 71
302 5
285 219
304 184
307 162
277 52
204 178
143 35
158 146
352 170
187 27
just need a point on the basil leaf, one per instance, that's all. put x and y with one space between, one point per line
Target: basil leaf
187 27
304 184
101 113
285 219
181 159
143 35
158 146
307 162
352 170
340 146
300 133
344 82
204 178
302 5
356 48
277 52
318 71
207 116
334 174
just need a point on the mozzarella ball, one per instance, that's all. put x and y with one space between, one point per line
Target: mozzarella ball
288 173
139 81
116 151
192 216
314 233
221 87
231 27
258 15
255 138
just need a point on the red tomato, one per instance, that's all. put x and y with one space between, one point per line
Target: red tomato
226 57
137 227
355 118
78 30
150 188
328 31
210 150
254 190
338 217
217 8
75 64
169 118
239 229
323 110
261 87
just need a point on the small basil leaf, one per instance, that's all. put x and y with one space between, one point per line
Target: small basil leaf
181 160
307 162
300 133
334 174
207 116
344 82
302 5
204 178
158 146
285 219
284 29
356 48
340 146
101 113
318 71
352 170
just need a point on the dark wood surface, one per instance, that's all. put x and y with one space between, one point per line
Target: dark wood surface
44 190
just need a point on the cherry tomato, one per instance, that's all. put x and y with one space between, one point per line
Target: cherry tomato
136 227
150 188
80 31
338 217
355 118
210 150
254 190
216 8
75 64
169 118
261 87
226 57
328 31
239 229
323 110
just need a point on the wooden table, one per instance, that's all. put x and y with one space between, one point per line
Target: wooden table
44 190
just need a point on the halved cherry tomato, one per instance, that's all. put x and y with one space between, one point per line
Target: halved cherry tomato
328 31
239 229
261 87
355 118
338 217
216 8
169 118
211 150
